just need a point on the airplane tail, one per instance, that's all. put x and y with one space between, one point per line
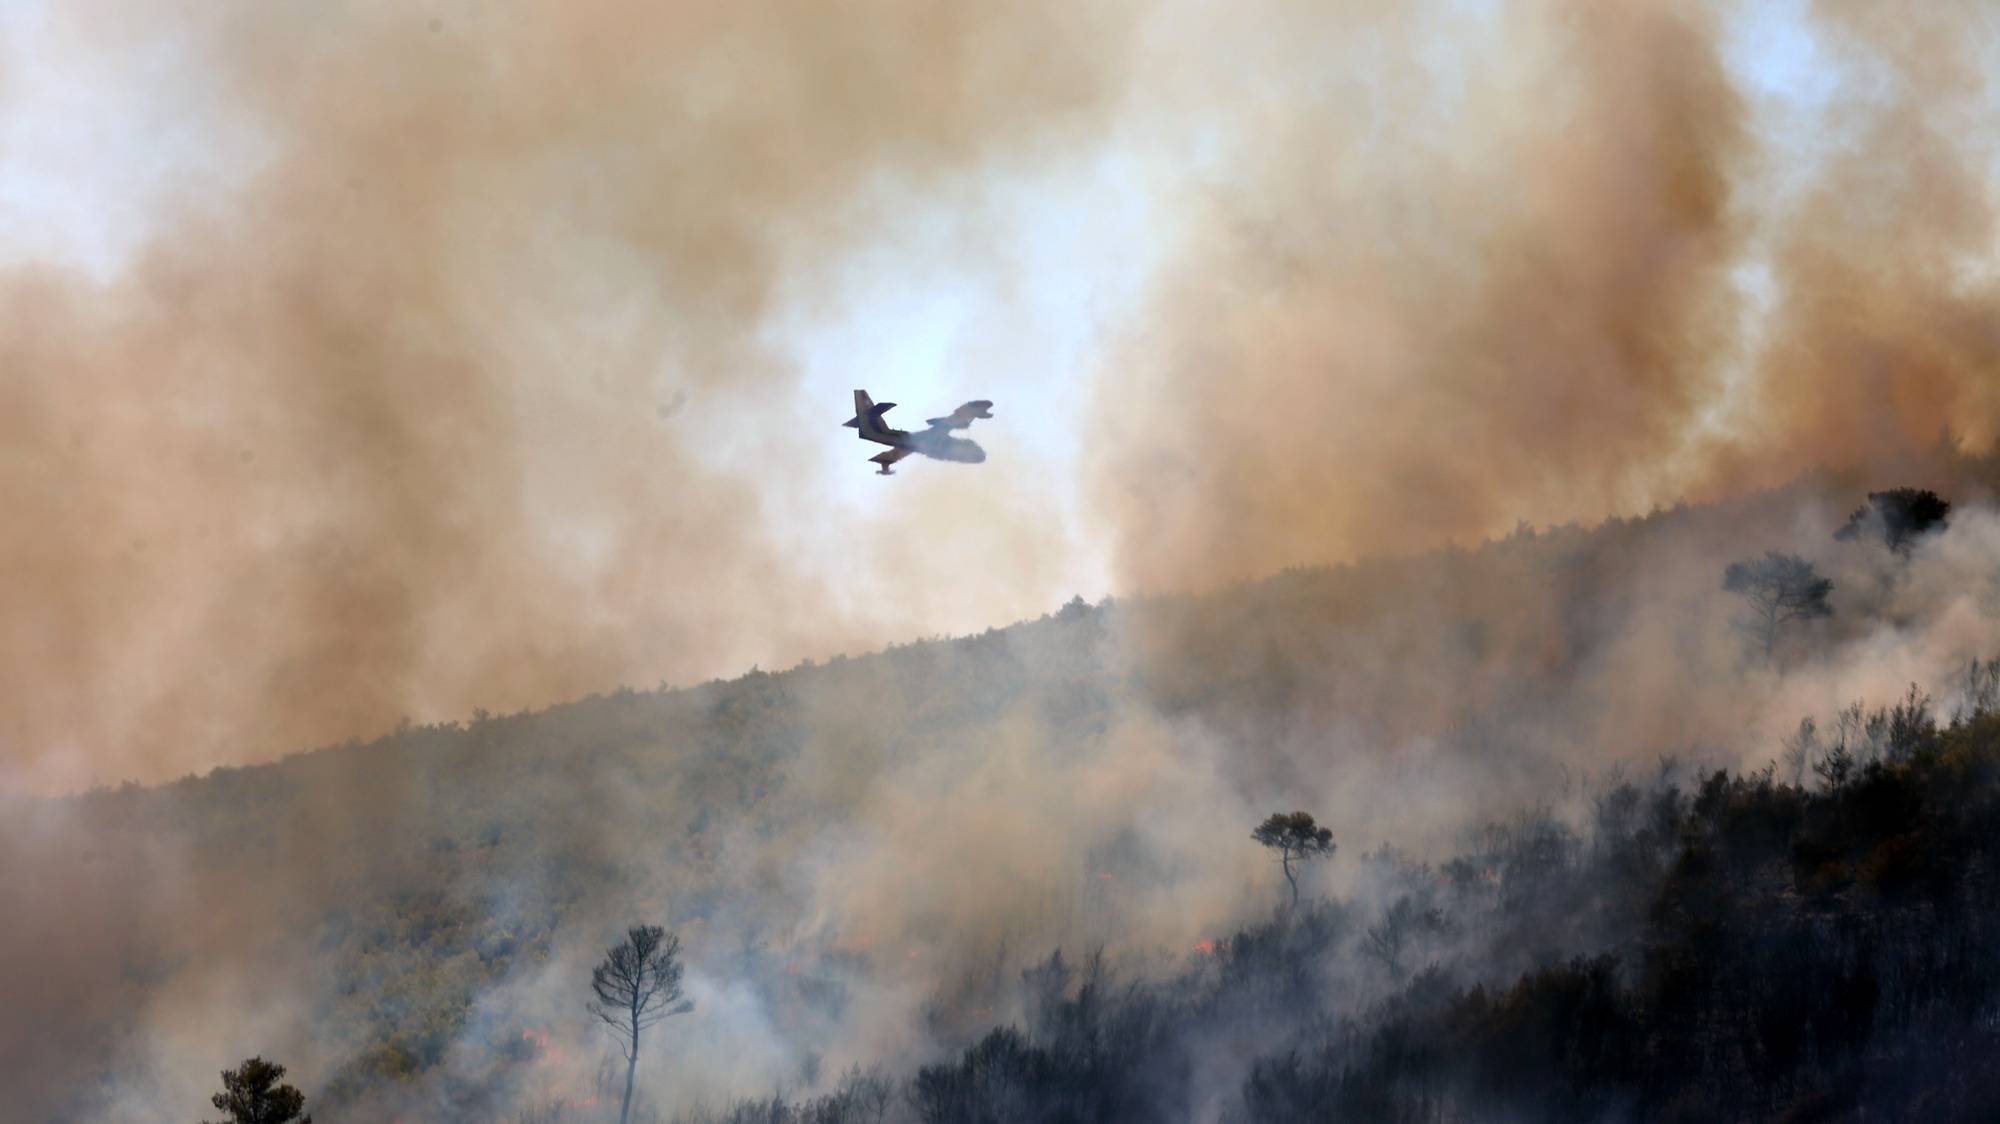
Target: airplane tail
868 415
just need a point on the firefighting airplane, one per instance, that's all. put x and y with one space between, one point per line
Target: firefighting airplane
936 441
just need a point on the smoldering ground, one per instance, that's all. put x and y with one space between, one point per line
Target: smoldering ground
1411 294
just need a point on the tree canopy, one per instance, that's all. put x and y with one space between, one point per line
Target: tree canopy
1898 516
252 1095
1777 589
1297 839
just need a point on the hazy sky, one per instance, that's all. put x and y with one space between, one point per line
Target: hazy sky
374 360
998 285
929 311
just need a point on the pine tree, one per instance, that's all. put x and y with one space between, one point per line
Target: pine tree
249 1097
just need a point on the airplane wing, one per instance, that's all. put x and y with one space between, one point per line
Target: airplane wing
887 457
964 415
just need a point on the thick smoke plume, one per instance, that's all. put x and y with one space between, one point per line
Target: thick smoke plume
1546 263
431 392
387 424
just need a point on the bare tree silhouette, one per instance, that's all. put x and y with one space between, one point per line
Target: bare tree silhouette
637 985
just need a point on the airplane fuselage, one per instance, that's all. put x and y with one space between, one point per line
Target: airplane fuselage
935 442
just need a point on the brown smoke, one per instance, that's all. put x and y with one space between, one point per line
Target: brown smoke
378 430
1887 332
378 423
1440 294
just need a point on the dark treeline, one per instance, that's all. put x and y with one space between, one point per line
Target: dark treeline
1739 947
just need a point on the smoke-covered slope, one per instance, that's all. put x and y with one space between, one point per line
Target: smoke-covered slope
1737 947
863 856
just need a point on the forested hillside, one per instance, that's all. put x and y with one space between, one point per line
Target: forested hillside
1589 866
1736 947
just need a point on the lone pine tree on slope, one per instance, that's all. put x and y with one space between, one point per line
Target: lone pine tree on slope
1297 839
638 985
